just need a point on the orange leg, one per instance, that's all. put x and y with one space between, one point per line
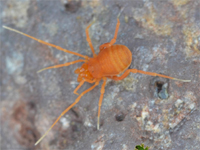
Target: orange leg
116 32
100 100
63 65
126 73
106 45
89 40
66 110
49 44
81 83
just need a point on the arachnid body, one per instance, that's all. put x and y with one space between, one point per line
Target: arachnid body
111 61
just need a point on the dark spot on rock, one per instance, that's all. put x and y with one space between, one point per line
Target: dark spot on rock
161 89
31 105
72 5
120 117
76 126
159 85
74 110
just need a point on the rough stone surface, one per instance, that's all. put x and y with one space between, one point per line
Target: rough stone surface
163 36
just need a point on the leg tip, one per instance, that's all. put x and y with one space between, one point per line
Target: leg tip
182 80
41 70
98 124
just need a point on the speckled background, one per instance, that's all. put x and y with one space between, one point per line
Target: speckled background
163 36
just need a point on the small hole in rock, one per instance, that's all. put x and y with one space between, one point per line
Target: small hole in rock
159 85
72 5
162 89
120 117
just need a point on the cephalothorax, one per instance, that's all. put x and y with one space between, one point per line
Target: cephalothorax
111 61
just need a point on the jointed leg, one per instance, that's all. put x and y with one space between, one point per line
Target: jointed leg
81 83
46 43
63 65
126 73
116 32
100 100
106 45
88 39
66 110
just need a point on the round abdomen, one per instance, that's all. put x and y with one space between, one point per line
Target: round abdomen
114 60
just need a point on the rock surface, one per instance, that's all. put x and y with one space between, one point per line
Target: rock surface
163 36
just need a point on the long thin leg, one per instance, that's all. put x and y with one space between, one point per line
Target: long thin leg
66 110
81 83
62 65
116 32
106 45
89 40
126 73
100 100
46 43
